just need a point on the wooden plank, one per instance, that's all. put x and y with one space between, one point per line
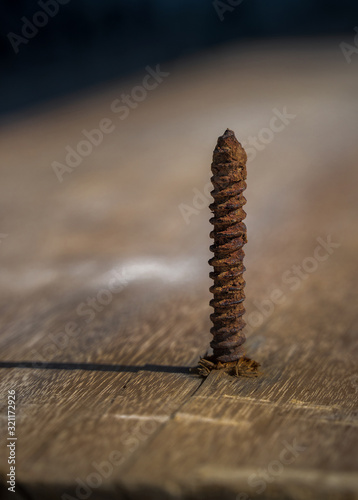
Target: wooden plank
230 436
112 385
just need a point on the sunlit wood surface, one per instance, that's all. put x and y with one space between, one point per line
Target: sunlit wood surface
105 401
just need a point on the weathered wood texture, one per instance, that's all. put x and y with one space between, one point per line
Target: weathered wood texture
106 406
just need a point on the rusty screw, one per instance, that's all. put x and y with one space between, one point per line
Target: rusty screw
229 235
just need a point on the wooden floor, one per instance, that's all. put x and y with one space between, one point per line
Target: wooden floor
104 287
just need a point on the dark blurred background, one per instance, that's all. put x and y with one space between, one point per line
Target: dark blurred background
51 48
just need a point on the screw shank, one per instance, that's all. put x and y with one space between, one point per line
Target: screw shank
229 235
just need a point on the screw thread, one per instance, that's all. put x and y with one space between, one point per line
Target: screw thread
229 235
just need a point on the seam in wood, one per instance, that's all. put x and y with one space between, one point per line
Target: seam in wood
307 476
216 421
158 418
